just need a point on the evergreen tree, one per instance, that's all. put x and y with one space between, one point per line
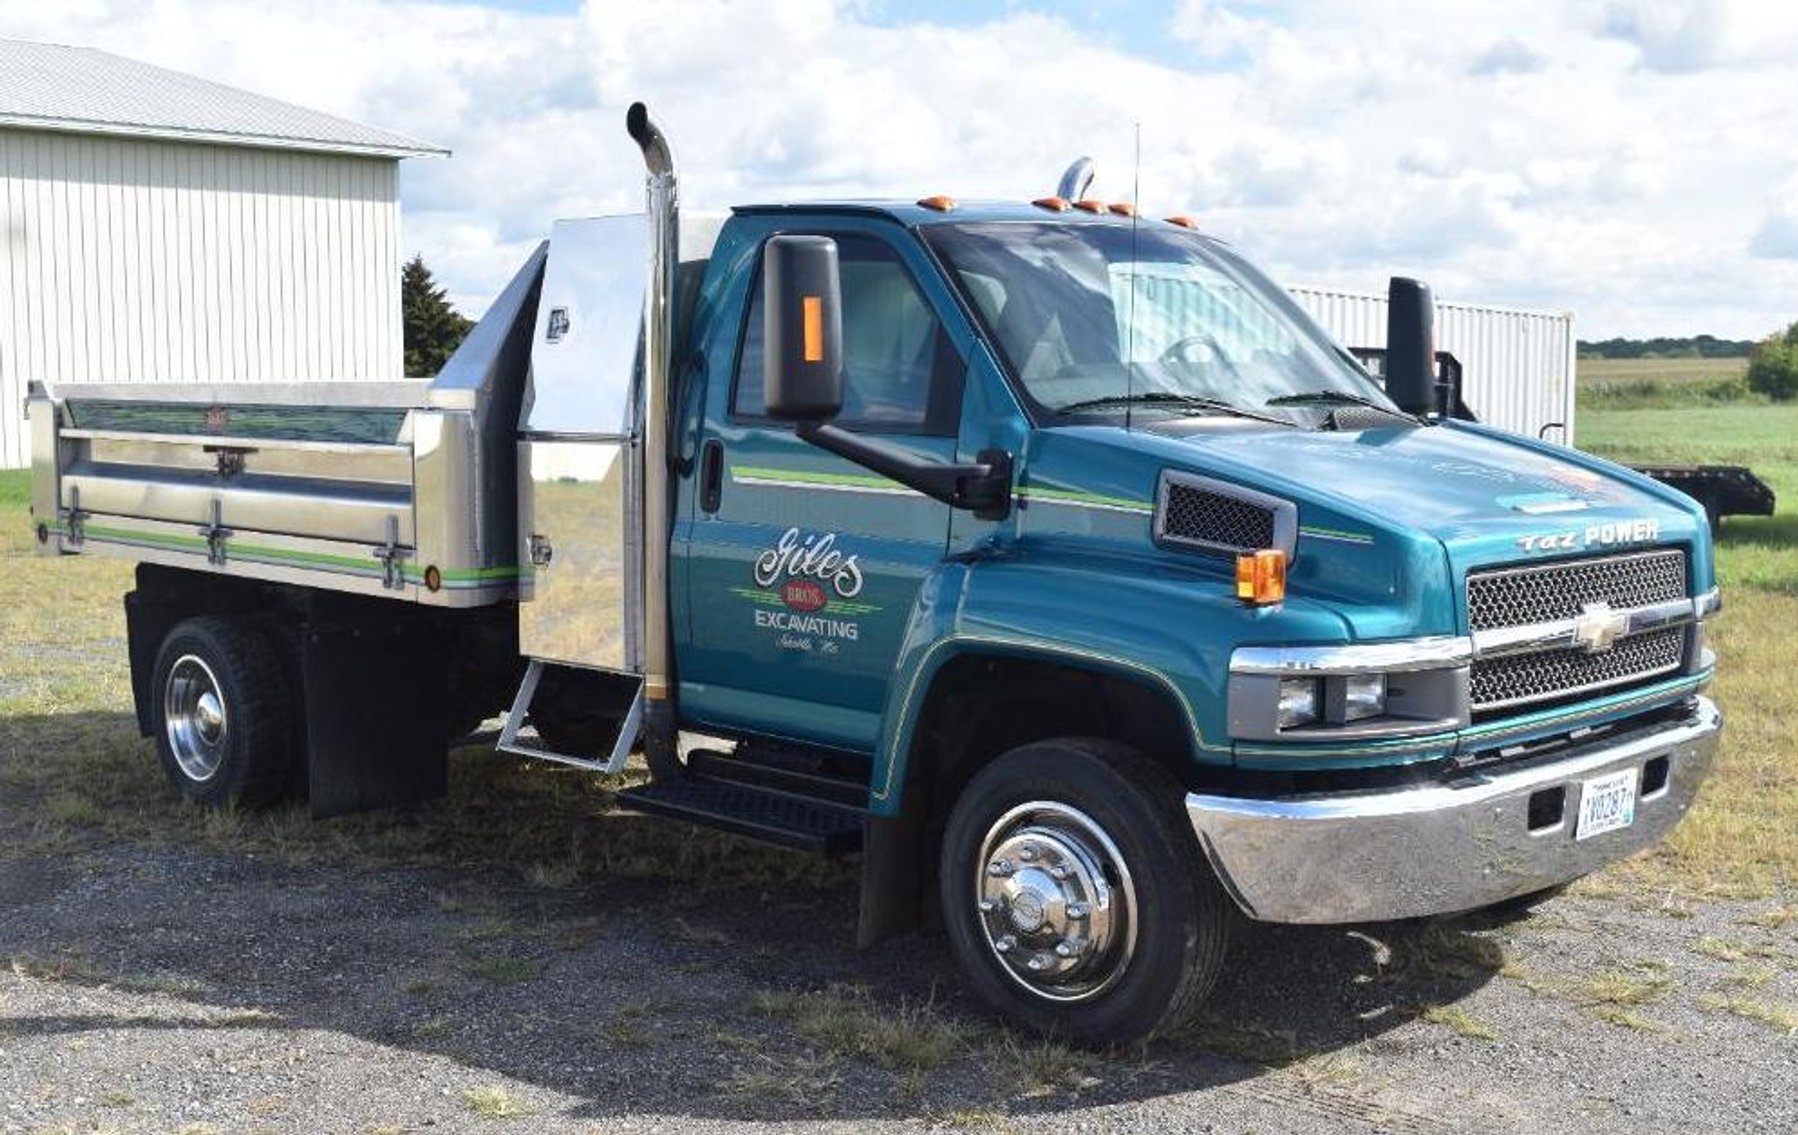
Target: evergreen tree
433 329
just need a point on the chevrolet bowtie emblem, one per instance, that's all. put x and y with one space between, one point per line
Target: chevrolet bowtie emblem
1598 627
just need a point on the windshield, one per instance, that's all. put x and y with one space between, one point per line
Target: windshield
1090 324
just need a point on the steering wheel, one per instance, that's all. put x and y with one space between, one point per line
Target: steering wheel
1182 350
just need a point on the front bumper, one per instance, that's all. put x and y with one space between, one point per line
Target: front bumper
1434 849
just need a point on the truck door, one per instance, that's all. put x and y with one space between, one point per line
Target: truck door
801 568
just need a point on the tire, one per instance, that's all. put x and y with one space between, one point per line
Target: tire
1094 810
222 714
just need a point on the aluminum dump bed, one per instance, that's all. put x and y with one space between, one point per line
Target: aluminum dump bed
405 489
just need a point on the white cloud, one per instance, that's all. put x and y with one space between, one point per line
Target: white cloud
1612 158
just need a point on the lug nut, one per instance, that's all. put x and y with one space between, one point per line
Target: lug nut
1027 853
1005 945
1077 910
999 868
1068 947
1038 962
987 906
1058 872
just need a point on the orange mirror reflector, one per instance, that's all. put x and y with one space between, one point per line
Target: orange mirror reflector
813 311
1053 204
942 203
1261 577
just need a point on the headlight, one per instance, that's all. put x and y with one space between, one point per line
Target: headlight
1363 695
1298 702
1350 692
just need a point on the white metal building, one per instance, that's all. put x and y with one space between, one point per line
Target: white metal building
1519 364
158 227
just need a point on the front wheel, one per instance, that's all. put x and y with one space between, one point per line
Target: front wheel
1076 897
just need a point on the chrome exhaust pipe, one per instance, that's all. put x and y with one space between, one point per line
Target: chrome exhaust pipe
1076 181
658 341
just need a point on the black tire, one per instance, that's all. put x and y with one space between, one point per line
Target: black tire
253 744
1180 914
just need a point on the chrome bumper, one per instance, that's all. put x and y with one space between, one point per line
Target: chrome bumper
1367 857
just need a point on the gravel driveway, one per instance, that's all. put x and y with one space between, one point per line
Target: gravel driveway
292 980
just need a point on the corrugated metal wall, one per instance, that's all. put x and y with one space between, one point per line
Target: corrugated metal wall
147 261
1519 364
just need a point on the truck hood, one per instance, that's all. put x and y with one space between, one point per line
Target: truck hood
1376 506
1459 484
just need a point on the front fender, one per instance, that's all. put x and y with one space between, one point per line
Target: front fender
1174 628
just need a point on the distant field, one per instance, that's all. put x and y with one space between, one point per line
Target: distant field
1658 370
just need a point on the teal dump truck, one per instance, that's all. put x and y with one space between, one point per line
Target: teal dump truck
1044 555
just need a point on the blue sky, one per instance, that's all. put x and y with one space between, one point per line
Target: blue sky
1629 160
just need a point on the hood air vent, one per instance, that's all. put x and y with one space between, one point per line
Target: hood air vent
1216 516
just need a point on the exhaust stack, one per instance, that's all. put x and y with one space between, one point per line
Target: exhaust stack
658 339
1076 180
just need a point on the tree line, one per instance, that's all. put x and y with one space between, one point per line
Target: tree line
1692 347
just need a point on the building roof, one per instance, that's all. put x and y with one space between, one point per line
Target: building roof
84 91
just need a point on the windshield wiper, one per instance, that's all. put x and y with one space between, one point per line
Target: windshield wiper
1337 396
1168 398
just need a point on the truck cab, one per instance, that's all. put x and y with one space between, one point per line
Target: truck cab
1045 554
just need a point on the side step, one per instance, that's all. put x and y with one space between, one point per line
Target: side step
779 806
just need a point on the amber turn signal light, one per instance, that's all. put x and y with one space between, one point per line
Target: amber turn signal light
1261 577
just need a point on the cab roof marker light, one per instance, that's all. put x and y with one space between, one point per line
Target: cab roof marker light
941 203
1183 221
1053 204
1123 208
1090 205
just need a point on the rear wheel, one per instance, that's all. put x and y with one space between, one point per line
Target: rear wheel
1075 895
222 714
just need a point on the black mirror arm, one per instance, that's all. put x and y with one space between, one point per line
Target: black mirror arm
983 488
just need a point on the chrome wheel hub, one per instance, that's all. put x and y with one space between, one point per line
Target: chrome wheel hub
1055 900
194 718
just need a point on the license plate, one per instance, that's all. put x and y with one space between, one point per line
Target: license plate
1606 803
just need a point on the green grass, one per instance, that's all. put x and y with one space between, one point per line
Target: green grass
1742 838
1644 383
1754 552
1601 371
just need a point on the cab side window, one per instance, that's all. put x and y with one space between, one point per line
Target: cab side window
901 373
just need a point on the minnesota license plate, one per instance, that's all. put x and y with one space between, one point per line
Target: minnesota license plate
1606 803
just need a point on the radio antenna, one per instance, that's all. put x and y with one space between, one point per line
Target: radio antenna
1130 318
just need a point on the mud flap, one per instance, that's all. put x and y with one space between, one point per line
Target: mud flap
894 879
377 715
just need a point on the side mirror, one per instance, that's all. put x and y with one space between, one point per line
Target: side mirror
1411 346
802 329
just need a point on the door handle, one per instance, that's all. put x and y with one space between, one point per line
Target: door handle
711 475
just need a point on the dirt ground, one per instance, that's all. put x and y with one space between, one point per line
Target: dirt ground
282 975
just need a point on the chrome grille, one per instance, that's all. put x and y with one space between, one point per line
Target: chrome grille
1205 517
1518 679
1541 593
